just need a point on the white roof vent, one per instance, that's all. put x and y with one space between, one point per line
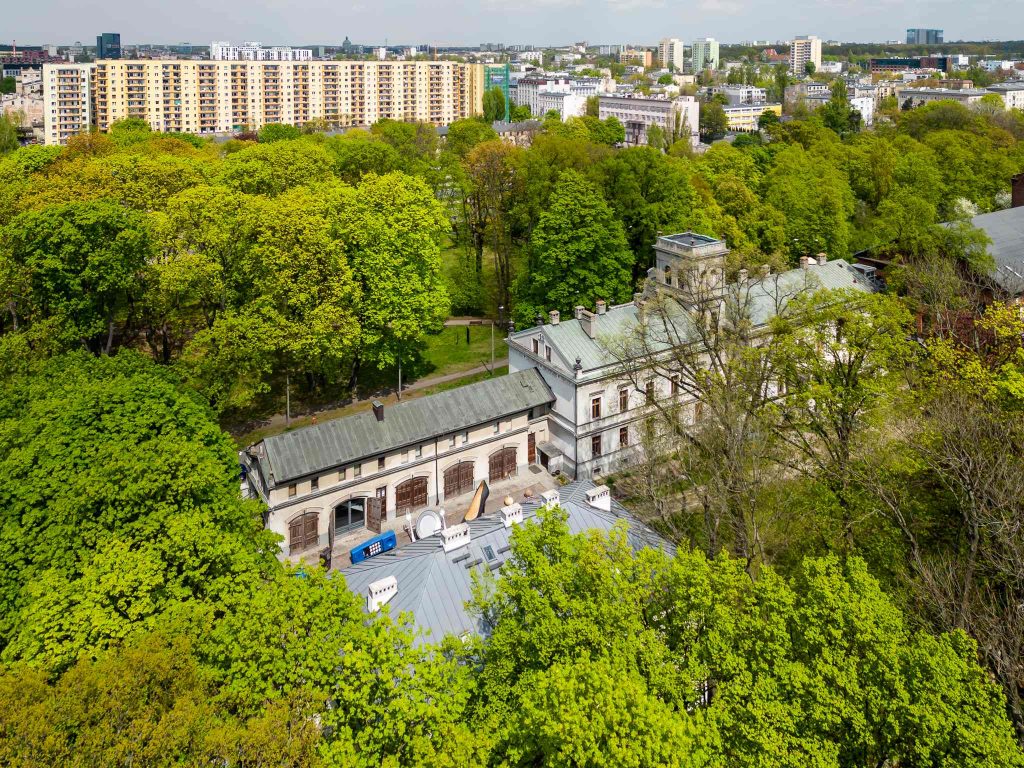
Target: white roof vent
551 498
511 515
600 498
380 592
455 536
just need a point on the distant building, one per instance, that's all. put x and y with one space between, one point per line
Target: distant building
672 53
804 49
915 97
924 36
565 104
221 50
739 95
679 116
67 101
108 45
705 54
941 63
1012 93
743 118
518 134
218 97
643 58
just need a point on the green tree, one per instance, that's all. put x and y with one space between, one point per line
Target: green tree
713 122
578 252
463 135
8 85
594 106
121 504
84 264
270 169
391 232
8 135
277 132
357 153
494 105
837 114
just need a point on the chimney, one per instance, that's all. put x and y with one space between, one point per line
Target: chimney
589 322
578 310
743 276
822 259
455 536
511 515
805 262
554 316
1017 191
378 410
766 269
551 498
601 307
380 592
600 497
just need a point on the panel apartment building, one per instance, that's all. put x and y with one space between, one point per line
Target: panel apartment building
219 97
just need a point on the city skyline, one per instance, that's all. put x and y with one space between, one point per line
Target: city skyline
540 22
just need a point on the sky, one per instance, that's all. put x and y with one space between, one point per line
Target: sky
537 22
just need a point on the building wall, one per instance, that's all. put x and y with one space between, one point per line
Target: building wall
67 106
637 115
802 50
744 118
672 52
208 97
437 456
705 54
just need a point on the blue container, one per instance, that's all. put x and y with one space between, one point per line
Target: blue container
385 542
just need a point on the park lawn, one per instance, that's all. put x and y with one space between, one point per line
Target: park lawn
448 352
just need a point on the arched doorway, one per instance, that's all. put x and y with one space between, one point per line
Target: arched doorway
411 495
458 479
502 464
349 515
302 532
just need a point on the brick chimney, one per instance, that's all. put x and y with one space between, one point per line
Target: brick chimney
1017 191
602 307
822 259
805 262
378 410
588 321
555 315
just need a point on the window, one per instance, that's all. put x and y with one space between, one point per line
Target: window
451 441
314 484
649 391
595 407
489 552
357 470
595 446
342 474
623 399
623 437
292 490
465 437
380 464
497 427
419 451
547 353
536 346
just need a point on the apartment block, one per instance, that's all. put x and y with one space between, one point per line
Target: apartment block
803 49
705 54
678 117
216 97
67 107
672 53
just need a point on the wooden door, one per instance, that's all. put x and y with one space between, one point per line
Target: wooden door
458 479
411 495
531 448
501 464
302 532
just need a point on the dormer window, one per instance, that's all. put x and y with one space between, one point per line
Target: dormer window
536 346
547 353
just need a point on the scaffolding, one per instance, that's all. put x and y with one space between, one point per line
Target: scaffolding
498 77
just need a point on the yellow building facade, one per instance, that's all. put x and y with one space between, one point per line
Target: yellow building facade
219 97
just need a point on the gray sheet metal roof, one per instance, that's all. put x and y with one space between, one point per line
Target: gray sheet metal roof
334 443
1006 231
435 589
767 295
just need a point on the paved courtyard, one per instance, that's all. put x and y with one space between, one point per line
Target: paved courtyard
533 481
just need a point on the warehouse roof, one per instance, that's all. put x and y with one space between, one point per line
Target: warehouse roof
434 585
320 447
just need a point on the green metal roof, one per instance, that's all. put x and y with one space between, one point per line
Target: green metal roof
321 447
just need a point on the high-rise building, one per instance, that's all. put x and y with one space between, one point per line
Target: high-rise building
924 36
705 54
803 49
108 45
219 97
222 50
67 106
671 53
